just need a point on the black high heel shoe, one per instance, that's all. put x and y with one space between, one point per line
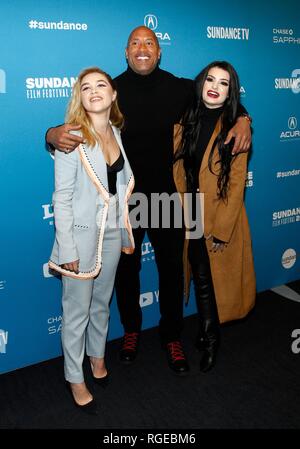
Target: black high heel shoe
91 408
102 381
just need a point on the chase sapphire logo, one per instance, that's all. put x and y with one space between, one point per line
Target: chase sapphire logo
2 82
150 21
292 123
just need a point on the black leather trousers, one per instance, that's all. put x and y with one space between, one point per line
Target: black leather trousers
208 334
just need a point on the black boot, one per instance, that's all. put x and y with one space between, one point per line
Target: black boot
200 339
208 339
211 345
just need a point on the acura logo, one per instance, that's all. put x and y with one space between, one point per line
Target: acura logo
292 123
151 21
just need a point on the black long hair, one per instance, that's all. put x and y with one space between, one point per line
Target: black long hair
192 122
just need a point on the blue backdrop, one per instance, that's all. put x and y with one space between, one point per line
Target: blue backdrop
43 47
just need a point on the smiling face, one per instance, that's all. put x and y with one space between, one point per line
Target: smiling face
143 51
96 93
216 88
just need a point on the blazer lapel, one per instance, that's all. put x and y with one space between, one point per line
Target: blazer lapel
127 172
95 165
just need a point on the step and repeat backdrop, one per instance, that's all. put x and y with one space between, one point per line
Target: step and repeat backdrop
43 47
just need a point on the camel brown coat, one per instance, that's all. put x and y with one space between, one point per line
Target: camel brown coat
233 269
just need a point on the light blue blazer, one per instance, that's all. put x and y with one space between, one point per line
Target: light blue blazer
81 201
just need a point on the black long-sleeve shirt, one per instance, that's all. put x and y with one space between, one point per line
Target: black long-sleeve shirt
152 104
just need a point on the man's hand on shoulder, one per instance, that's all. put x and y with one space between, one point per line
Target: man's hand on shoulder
241 132
62 140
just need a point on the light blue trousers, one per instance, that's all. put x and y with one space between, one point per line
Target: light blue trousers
86 306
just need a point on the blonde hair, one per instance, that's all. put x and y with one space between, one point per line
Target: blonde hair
76 114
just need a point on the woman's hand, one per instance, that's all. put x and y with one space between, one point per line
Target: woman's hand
72 266
217 245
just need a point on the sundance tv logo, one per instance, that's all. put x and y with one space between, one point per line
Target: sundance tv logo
151 21
2 82
48 88
233 33
292 133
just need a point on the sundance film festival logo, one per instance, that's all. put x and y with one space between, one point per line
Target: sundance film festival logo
147 252
34 24
292 83
287 216
214 32
249 179
151 21
45 88
3 341
292 133
48 213
288 259
2 82
285 36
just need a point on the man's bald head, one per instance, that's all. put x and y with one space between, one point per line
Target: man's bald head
143 50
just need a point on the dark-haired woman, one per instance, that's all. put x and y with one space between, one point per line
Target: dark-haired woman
220 262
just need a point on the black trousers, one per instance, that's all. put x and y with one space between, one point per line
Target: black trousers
204 289
168 248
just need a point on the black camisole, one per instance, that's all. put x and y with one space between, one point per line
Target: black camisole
112 171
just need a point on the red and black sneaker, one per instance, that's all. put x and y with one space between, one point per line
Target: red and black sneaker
176 358
129 348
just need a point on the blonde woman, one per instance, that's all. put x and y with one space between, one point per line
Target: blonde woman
92 187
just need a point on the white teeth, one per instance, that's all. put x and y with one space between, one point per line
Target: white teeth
143 57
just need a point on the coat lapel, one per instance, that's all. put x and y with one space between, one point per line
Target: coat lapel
204 163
